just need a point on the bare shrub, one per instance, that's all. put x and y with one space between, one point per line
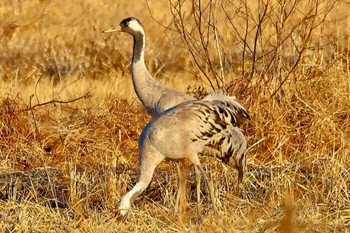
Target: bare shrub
273 38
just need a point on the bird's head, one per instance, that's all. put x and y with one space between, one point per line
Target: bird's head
129 25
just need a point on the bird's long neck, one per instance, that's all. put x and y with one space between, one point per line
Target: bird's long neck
145 86
139 48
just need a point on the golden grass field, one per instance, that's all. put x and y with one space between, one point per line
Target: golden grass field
70 121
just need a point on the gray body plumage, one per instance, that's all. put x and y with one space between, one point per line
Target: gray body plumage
188 127
182 132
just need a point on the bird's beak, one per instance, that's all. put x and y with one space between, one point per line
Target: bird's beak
113 29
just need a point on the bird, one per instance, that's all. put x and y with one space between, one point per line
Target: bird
157 98
181 132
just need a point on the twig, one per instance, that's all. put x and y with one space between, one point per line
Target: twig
30 108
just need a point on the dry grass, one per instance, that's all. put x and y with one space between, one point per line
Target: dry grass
82 156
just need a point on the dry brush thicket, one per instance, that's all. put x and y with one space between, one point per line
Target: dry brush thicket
69 120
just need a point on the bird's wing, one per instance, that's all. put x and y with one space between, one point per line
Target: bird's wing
232 147
221 98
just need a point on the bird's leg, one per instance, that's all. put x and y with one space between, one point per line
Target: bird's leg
145 176
179 189
239 182
181 197
211 187
126 201
198 190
